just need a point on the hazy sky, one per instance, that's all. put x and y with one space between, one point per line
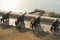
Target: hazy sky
30 5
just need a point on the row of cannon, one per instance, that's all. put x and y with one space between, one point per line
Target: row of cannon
34 22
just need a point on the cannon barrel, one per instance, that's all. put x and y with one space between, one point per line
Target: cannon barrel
9 12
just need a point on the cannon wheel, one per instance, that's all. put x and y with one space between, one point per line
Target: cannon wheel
57 32
39 29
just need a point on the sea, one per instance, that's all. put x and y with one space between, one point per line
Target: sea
30 5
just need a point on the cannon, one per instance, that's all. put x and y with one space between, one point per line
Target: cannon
35 24
20 21
5 17
55 27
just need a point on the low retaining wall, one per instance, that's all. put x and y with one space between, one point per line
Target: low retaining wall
28 17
